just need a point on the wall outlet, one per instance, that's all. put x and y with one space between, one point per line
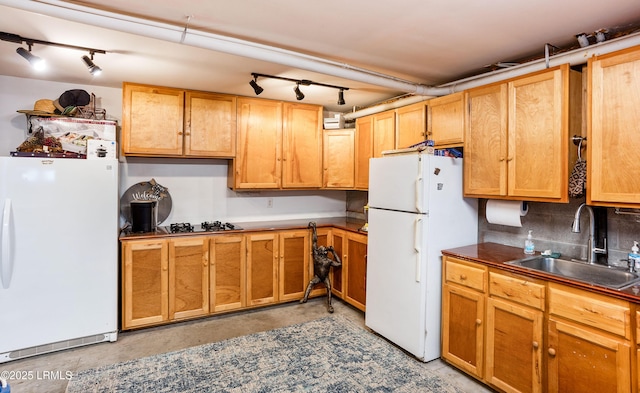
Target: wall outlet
269 202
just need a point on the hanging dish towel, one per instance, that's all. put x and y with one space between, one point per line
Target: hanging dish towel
578 179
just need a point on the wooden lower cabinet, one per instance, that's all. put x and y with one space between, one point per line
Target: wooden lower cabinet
529 335
145 283
227 278
463 329
182 277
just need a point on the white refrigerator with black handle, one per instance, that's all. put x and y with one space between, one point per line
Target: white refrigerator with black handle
58 254
416 209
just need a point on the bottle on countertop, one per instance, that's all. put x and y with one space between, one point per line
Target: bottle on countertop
529 246
634 256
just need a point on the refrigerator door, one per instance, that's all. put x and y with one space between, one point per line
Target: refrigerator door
397 182
59 279
396 278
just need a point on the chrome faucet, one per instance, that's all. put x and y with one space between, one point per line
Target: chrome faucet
593 250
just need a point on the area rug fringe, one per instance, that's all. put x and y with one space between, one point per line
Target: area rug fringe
331 354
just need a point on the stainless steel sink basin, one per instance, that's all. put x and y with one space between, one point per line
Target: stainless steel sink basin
593 274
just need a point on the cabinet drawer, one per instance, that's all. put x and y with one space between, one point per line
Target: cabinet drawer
598 311
517 289
469 275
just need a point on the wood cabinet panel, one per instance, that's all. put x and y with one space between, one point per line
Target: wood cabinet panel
464 274
612 127
227 270
145 283
210 125
338 241
262 269
188 277
339 158
517 289
152 120
384 132
258 162
514 347
363 151
356 270
294 264
412 124
302 146
446 119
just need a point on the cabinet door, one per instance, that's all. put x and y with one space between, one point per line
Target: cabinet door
485 142
412 124
262 269
384 132
583 360
463 328
446 120
324 239
152 120
210 125
339 157
338 241
145 283
188 277
612 160
227 268
514 345
258 162
293 269
538 135
364 151
356 270
302 146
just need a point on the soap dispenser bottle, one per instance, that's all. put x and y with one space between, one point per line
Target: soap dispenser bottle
529 246
634 256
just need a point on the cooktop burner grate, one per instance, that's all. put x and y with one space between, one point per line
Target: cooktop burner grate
181 227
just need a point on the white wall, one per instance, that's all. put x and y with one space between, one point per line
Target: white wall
198 188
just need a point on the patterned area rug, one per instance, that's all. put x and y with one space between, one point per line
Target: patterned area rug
331 354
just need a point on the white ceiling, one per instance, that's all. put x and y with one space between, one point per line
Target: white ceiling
427 42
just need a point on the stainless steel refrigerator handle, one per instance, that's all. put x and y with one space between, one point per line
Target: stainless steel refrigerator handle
416 245
6 262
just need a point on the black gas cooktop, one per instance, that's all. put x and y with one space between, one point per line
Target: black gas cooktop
206 226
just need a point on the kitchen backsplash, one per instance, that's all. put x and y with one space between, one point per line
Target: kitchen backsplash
551 225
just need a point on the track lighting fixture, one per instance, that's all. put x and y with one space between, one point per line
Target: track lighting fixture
299 95
298 82
36 62
93 69
254 83
341 97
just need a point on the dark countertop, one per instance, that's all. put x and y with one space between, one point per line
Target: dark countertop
495 255
348 224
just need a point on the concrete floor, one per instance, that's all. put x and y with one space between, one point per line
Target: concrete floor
47 373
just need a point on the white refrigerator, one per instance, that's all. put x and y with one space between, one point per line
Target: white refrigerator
58 254
416 209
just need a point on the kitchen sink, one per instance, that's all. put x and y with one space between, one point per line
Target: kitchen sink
609 277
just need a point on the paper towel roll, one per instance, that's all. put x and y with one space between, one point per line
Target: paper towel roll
505 212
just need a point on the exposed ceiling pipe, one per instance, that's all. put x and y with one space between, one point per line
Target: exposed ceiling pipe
171 33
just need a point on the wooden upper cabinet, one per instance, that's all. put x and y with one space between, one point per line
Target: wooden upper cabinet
258 162
364 151
446 120
384 132
485 146
412 124
612 156
534 156
152 120
302 146
339 158
166 122
210 125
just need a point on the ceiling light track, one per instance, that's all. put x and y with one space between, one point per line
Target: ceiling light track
36 61
304 82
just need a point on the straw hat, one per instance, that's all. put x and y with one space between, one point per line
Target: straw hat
42 107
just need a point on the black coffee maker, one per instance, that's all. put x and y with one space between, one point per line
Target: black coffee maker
143 215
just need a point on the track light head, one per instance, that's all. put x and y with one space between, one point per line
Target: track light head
93 69
341 97
256 88
36 62
299 95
